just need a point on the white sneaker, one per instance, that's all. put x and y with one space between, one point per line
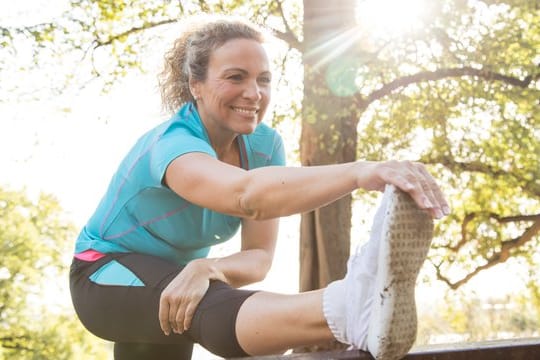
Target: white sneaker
347 302
406 237
362 270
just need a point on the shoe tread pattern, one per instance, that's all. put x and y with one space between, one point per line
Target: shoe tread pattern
410 231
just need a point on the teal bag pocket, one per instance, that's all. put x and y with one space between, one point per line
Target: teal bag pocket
115 274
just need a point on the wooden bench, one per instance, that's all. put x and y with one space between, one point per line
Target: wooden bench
518 349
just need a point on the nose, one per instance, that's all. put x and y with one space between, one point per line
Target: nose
253 91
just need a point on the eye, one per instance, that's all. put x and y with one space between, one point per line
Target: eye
265 79
235 77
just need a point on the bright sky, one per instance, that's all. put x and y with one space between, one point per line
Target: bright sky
69 145
30 11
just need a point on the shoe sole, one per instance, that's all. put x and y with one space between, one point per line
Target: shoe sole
407 235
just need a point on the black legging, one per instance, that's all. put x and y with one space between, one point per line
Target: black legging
128 315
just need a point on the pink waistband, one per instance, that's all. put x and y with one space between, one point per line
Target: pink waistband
89 255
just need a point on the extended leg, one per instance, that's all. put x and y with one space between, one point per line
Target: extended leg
270 323
372 309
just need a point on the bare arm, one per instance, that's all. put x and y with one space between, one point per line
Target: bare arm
181 297
271 192
254 260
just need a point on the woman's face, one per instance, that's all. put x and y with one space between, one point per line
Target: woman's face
236 92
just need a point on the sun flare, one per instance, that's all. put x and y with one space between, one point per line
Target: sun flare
383 18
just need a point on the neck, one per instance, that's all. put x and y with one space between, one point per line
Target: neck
223 142
226 148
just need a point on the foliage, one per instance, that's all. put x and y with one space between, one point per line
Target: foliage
34 240
459 92
465 100
464 316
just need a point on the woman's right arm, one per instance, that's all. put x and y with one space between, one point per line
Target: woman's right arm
275 191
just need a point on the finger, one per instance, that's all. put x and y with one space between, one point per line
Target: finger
437 195
171 314
191 308
190 311
179 318
163 315
172 321
426 185
409 183
419 184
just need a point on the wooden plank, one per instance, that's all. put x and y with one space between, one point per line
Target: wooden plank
515 349
326 355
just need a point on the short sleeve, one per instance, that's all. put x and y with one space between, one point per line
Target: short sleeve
172 145
264 147
278 152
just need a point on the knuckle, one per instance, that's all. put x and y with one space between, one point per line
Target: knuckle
190 311
408 162
411 178
167 297
172 302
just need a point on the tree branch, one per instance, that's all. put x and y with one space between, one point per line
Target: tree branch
287 36
440 74
466 220
12 342
99 43
476 166
500 256
514 218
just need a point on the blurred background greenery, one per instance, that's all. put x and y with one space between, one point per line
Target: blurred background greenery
452 83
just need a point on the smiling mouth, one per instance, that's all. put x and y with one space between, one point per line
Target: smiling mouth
246 111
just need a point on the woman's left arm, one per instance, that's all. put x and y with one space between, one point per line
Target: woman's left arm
253 262
181 297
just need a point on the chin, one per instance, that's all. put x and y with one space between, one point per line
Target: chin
247 131
250 127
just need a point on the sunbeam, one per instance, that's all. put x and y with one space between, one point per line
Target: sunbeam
334 47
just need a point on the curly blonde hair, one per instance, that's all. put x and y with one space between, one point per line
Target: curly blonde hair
190 54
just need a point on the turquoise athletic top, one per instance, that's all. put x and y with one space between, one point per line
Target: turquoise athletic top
139 214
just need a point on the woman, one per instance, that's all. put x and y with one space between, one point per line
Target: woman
140 276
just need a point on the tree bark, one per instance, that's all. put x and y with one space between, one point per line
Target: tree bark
328 136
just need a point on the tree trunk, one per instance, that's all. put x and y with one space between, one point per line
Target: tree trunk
328 136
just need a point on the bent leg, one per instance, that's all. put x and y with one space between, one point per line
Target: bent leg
228 322
117 298
141 351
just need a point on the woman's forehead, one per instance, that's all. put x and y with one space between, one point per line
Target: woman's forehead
240 53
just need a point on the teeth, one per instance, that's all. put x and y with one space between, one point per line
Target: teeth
245 111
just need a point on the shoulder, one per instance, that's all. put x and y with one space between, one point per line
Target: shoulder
264 134
266 146
184 131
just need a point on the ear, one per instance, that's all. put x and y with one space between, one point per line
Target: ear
194 88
